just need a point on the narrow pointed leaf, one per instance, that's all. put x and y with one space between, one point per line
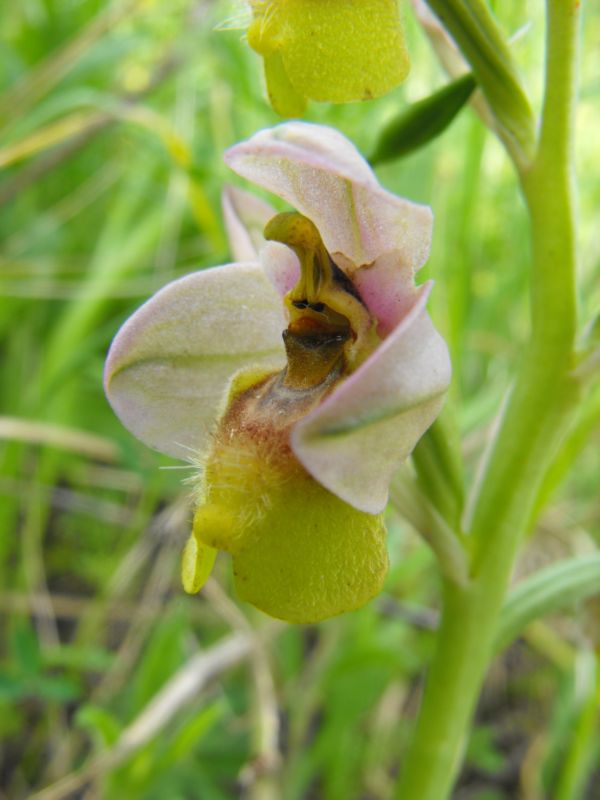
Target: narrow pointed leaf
552 589
423 121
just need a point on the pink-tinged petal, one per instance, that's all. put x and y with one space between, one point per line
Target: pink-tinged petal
170 364
388 291
322 175
245 217
357 438
281 266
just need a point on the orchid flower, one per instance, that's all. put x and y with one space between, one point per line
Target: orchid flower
336 51
298 435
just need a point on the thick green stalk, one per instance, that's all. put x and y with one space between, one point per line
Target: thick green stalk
535 416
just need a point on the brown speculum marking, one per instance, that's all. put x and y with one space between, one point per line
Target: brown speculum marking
330 329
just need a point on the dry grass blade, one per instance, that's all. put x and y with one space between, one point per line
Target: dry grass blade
45 433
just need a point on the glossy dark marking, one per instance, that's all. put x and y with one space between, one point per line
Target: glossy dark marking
344 281
315 340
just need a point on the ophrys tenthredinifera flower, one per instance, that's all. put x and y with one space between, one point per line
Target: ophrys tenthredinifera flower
300 434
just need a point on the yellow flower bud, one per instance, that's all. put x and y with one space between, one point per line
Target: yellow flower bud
328 50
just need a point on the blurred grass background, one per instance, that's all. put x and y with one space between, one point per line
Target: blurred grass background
113 120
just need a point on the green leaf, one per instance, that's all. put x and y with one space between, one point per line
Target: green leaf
55 689
92 657
102 726
12 688
194 729
25 648
483 752
557 587
423 121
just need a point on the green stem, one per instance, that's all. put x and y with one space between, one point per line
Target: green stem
535 417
